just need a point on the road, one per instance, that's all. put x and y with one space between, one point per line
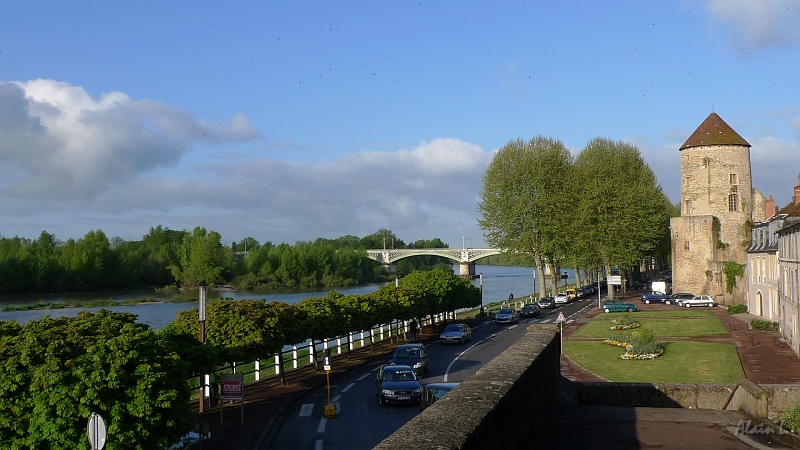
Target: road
360 422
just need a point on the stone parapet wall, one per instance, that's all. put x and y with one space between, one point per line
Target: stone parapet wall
509 393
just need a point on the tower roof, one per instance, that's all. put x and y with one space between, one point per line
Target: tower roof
714 131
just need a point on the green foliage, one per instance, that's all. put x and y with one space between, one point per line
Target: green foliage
732 270
737 308
55 372
764 325
790 419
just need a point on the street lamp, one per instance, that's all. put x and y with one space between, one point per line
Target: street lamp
481 276
534 283
565 281
202 320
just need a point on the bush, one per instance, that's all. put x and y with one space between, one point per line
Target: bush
790 419
737 308
764 325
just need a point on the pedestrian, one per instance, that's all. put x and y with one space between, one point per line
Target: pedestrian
510 296
413 327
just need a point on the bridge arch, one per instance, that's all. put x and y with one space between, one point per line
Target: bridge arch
466 257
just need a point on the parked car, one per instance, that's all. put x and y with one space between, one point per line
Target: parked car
397 384
680 297
618 306
456 332
641 284
506 315
530 310
413 355
699 300
655 297
562 297
547 303
573 293
433 392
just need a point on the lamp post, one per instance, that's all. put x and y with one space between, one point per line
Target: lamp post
202 320
598 290
481 277
534 283
565 281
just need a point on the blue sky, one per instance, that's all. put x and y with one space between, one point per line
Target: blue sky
288 121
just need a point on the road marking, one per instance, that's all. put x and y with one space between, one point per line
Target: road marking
318 444
449 366
335 399
322 423
306 410
347 388
364 376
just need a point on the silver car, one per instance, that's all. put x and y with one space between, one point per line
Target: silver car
456 333
506 315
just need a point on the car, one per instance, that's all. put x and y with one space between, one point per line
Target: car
680 297
506 315
562 297
618 306
434 391
655 297
573 293
397 384
547 303
456 332
641 284
699 300
530 310
413 355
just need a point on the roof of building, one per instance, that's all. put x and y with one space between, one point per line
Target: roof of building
791 210
714 131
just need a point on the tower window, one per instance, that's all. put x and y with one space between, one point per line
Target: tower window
733 202
734 179
686 245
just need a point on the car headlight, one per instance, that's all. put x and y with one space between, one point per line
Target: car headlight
418 365
386 392
418 390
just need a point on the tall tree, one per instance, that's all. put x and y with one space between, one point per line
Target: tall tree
526 201
201 258
621 213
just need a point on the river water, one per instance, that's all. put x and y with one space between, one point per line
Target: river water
498 282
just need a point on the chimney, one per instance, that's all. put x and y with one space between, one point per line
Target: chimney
769 208
797 194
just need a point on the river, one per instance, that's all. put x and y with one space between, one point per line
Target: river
498 282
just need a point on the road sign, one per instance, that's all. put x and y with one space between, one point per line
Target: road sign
615 280
96 430
561 318
232 386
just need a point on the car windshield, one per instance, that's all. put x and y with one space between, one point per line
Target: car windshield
453 327
399 375
407 353
505 311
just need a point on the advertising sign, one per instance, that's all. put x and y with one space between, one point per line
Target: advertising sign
232 386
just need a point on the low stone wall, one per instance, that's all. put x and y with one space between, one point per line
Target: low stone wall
509 393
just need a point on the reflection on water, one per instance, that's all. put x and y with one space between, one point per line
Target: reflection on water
498 282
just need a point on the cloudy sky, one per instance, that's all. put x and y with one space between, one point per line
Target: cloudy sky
292 120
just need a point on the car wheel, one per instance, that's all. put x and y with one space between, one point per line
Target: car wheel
667 302
688 305
607 310
647 301
710 305
628 309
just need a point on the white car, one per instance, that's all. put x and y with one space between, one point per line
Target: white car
698 300
562 297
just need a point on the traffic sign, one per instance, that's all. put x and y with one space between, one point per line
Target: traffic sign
96 429
561 318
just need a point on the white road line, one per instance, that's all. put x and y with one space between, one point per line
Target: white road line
335 399
347 388
318 444
364 376
306 410
449 366
322 423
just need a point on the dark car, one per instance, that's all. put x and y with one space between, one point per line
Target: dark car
413 355
456 332
397 384
434 391
547 303
641 284
655 297
530 310
610 306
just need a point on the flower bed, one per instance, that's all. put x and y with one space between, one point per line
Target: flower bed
639 345
628 326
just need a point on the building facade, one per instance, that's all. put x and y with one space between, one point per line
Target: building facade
718 206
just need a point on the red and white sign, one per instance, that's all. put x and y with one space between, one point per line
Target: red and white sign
560 317
232 386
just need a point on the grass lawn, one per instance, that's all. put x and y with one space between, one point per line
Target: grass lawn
664 324
682 362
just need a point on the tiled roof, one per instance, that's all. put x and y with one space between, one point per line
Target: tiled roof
791 210
714 131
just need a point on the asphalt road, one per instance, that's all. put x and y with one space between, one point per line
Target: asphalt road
360 422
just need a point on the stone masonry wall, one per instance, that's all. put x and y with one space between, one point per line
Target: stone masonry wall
509 393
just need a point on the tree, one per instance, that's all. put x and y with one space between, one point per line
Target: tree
621 214
526 201
202 258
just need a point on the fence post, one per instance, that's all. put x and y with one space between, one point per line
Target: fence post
294 356
258 369
339 345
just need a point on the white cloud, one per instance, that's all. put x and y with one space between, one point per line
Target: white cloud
758 24
59 142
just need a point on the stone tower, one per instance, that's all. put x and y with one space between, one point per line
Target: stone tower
718 203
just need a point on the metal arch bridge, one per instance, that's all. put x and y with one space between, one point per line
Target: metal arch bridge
465 256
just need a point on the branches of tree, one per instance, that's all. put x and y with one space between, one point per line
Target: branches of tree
55 372
602 209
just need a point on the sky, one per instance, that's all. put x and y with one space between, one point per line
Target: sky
289 121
